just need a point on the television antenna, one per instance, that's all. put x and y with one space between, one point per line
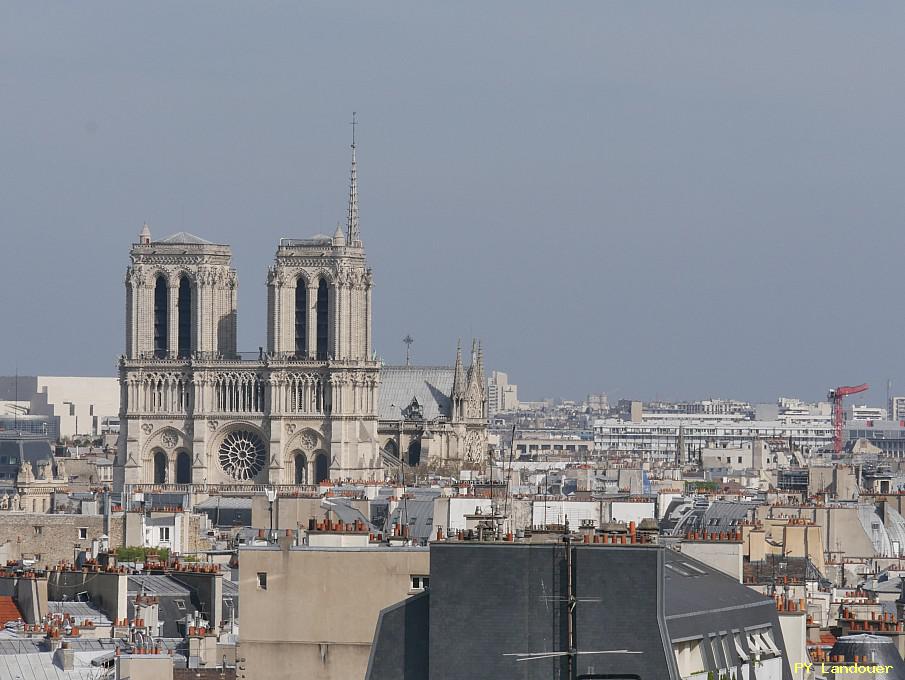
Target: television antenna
571 600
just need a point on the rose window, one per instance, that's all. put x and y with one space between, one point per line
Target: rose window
242 455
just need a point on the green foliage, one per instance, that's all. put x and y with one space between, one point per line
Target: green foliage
701 486
135 553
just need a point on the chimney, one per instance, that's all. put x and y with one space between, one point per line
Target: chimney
64 658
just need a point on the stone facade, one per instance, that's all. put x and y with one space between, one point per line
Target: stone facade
51 538
193 411
200 413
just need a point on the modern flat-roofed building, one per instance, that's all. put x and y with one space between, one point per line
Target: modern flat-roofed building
69 406
659 438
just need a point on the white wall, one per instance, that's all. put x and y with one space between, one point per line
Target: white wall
556 512
89 400
631 511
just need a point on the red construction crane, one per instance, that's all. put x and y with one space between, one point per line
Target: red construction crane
836 396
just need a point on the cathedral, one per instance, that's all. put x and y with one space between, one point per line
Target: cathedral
315 404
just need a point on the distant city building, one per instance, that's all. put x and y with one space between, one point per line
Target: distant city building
886 435
709 407
897 408
71 405
501 394
861 412
658 438
796 409
598 402
557 443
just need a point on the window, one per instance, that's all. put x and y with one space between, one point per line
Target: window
164 533
262 580
761 642
83 533
420 582
180 605
184 318
38 530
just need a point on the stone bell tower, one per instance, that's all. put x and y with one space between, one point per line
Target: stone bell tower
180 298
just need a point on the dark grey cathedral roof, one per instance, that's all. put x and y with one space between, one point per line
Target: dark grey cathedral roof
430 385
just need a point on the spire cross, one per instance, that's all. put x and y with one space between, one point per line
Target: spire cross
408 340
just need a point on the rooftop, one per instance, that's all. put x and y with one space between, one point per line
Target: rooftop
430 385
185 238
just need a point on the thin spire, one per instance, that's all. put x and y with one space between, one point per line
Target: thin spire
352 216
480 367
458 374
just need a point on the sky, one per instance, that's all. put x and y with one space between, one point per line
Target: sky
653 200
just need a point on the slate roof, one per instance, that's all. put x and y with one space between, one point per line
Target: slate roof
34 450
419 514
692 586
345 512
527 581
431 385
80 611
156 584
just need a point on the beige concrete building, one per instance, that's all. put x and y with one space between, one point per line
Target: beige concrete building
79 404
311 612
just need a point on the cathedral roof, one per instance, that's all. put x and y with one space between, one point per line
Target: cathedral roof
430 385
184 237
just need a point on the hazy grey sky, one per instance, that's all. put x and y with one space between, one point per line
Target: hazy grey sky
651 199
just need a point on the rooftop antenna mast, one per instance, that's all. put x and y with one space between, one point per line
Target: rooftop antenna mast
509 476
408 340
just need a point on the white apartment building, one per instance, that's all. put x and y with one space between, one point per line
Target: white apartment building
501 394
657 438
862 412
897 408
553 444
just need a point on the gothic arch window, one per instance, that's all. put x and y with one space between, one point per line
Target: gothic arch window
183 468
301 468
323 318
415 452
184 321
301 317
391 448
161 316
160 467
321 468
